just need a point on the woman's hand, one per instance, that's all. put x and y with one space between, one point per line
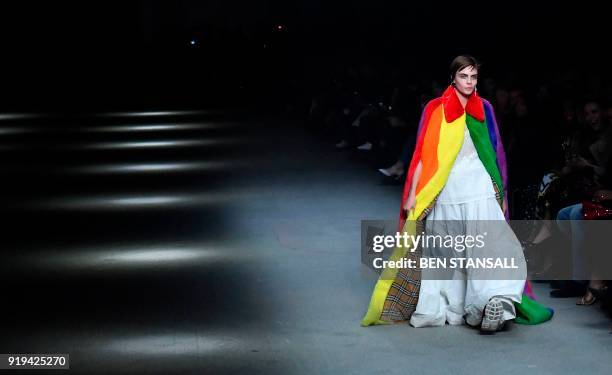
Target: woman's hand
410 202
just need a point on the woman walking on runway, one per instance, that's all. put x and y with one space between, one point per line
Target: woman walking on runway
457 173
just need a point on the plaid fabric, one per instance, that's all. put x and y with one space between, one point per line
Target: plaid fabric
403 296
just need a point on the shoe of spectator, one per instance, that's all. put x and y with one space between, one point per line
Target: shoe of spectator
593 295
587 300
365 147
386 172
342 144
390 177
392 171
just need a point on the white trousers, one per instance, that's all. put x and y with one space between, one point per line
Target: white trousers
465 294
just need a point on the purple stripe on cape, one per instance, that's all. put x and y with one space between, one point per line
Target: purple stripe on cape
499 148
421 121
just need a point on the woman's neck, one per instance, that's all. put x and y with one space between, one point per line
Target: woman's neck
462 98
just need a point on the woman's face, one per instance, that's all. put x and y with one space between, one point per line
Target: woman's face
592 116
520 107
466 80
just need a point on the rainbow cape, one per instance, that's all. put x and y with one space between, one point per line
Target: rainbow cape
439 139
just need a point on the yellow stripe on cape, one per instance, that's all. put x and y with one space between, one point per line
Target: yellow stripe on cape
446 139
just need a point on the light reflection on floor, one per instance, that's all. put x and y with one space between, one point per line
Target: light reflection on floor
155 127
126 257
122 202
152 144
172 344
157 113
170 167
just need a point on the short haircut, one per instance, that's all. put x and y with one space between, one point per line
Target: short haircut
463 61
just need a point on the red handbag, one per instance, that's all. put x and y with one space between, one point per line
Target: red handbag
595 211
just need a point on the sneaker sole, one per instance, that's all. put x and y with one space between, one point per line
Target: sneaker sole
492 319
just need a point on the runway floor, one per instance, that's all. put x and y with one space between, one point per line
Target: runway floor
205 242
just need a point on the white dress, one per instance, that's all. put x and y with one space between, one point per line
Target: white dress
468 197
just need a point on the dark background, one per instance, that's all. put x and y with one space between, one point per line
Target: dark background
97 54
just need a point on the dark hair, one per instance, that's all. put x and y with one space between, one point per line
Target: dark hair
592 98
462 61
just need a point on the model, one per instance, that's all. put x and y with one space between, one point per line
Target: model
457 173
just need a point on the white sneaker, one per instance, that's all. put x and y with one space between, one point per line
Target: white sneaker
342 144
493 316
385 172
365 147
